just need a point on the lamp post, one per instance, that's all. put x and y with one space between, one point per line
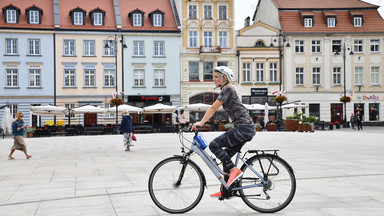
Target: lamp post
344 48
281 39
113 39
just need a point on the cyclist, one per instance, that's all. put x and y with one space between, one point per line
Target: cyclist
225 146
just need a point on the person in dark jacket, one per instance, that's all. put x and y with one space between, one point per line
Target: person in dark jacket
126 127
18 129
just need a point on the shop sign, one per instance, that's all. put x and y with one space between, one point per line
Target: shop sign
364 97
259 92
146 98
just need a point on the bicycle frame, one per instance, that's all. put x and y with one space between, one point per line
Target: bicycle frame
218 172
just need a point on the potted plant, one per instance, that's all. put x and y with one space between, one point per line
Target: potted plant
280 99
258 127
307 124
346 99
229 126
292 122
30 131
337 124
116 101
220 127
272 127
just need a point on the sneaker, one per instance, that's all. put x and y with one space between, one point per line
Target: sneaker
127 149
236 174
216 195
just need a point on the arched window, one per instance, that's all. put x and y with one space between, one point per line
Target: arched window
259 44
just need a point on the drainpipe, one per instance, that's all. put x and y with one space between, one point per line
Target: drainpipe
54 74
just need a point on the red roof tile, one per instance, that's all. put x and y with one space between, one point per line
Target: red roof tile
291 22
311 4
47 21
127 6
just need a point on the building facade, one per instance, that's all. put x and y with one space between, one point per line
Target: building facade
336 50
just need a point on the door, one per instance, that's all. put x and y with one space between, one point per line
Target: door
90 119
337 113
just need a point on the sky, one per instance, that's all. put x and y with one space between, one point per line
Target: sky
244 8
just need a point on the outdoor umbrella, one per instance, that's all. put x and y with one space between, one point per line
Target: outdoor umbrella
48 110
158 109
196 107
257 107
266 112
125 107
6 123
88 109
289 106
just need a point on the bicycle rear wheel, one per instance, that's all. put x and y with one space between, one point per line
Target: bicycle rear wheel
176 185
280 187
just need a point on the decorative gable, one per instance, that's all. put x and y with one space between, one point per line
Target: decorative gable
157 17
34 15
78 16
97 17
137 17
11 14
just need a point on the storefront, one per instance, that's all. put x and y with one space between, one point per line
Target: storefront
368 106
260 96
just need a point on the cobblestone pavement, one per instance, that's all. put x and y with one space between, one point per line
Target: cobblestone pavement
338 172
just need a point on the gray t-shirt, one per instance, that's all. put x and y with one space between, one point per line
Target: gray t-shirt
232 105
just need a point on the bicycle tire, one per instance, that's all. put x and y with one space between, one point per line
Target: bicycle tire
279 191
167 195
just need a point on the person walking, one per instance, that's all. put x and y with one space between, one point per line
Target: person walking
359 118
353 121
225 146
126 127
18 130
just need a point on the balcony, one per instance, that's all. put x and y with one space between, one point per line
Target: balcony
204 49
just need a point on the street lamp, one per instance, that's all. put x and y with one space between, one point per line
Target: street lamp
113 39
281 39
345 48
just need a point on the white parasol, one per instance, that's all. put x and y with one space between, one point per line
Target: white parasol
48 110
88 109
125 107
6 123
266 113
196 107
158 109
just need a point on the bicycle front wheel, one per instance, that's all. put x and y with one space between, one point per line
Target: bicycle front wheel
176 185
279 190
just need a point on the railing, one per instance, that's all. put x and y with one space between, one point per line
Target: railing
205 49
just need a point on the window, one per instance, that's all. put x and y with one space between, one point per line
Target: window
316 46
137 20
34 17
207 71
308 22
273 72
11 46
70 107
12 78
11 16
138 77
159 77
192 38
159 48
259 72
109 77
108 115
246 72
69 78
375 45
223 39
336 76
299 76
138 48
89 48
357 21
221 63
208 39
299 46
193 69
13 109
192 11
78 18
97 19
110 50
314 110
89 78
374 111
207 11
69 47
336 45
316 76
259 44
375 76
34 77
358 75
222 12
358 46
331 22
34 46
157 20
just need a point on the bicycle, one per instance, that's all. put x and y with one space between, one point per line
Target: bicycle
176 184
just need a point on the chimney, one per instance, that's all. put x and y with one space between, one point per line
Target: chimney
247 21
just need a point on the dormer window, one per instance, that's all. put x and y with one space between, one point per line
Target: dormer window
137 17
157 17
34 15
97 17
307 18
78 16
308 22
357 21
11 14
331 21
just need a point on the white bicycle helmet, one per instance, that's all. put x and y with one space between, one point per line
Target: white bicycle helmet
224 70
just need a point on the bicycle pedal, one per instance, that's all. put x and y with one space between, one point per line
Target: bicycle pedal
221 198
